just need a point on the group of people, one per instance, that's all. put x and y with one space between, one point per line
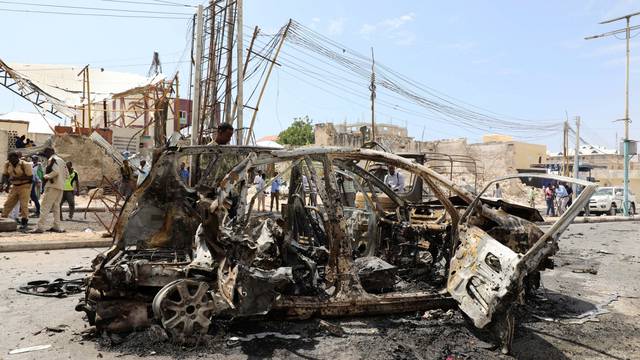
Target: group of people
131 177
23 142
558 198
58 182
260 182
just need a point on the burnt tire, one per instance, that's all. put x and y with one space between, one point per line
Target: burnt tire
184 308
7 224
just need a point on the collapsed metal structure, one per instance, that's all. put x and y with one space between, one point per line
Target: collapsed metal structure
186 256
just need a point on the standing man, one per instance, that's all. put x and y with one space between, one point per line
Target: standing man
497 193
126 172
36 186
394 180
184 173
563 198
348 190
71 189
143 172
55 175
17 177
275 192
549 195
258 181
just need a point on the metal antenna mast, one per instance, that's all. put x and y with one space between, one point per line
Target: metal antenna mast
627 31
372 87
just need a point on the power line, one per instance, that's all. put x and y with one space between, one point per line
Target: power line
92 8
92 14
148 3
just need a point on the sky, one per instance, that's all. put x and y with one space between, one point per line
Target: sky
522 59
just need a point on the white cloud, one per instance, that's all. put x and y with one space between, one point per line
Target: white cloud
336 26
367 29
462 46
392 28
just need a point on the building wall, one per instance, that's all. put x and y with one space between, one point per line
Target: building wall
4 145
526 154
21 127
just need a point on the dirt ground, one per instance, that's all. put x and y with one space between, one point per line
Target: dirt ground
589 308
83 225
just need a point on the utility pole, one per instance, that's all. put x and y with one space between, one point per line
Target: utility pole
266 80
240 74
565 149
86 92
195 110
576 158
372 87
626 140
227 92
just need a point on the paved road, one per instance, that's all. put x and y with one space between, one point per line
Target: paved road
609 250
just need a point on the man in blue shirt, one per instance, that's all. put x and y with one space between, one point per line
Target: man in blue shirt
275 192
184 174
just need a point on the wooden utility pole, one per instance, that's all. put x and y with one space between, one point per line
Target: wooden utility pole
256 30
240 74
565 149
195 110
576 158
264 85
86 93
227 92
372 87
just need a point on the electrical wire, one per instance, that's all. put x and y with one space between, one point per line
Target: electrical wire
92 8
91 14
155 3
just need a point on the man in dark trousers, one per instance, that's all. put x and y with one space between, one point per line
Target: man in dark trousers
71 189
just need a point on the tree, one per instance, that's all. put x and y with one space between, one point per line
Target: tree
299 133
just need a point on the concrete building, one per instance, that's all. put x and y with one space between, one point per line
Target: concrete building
393 137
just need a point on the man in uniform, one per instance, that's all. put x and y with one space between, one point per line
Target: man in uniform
71 189
17 177
55 175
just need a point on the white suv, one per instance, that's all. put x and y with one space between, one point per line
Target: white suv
609 200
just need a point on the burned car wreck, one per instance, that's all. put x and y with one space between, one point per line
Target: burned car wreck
184 256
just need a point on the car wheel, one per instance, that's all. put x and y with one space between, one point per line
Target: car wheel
613 209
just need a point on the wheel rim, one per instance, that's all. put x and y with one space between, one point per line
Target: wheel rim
184 309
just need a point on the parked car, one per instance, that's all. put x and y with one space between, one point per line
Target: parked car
608 200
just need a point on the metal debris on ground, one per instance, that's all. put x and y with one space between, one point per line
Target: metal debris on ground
57 288
29 349
333 329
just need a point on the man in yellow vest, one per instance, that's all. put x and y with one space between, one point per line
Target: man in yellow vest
71 189
17 176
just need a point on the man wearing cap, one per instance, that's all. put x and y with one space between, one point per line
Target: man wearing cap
17 176
55 175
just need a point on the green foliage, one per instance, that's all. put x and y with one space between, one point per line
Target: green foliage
299 133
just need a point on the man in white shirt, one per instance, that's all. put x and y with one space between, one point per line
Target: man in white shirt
143 172
259 182
55 175
394 180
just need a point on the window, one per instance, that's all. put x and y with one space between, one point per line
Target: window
183 117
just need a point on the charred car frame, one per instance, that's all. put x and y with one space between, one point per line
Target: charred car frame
185 256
